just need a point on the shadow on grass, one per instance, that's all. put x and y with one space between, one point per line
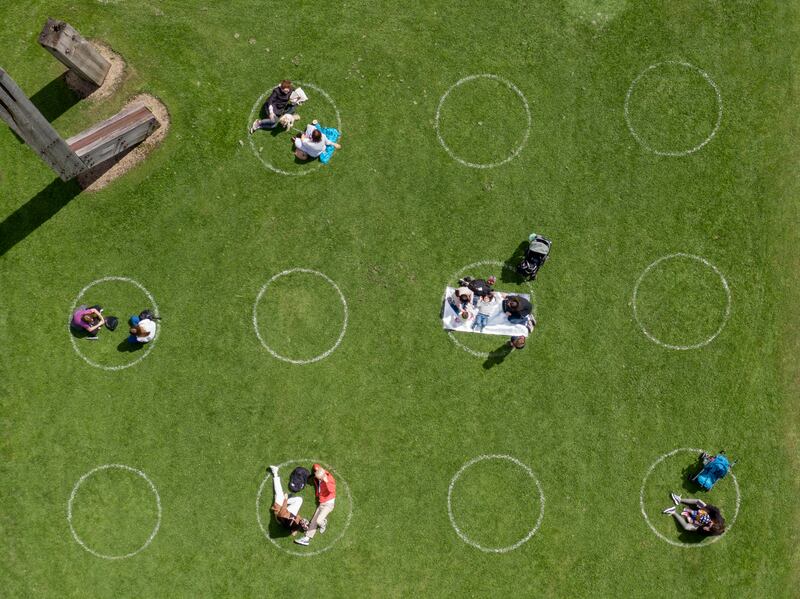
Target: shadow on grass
36 212
129 347
497 356
276 529
510 275
55 98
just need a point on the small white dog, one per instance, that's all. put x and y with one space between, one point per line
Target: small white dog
287 121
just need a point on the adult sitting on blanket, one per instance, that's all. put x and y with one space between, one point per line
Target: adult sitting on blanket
275 107
286 508
517 309
311 143
479 287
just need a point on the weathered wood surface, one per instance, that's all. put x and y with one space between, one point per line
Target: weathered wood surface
64 42
26 121
114 136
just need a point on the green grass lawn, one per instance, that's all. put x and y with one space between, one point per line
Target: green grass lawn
398 408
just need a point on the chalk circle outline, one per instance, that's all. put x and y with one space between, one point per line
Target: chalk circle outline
642 141
148 346
339 483
527 536
326 353
254 111
514 152
456 276
725 317
74 492
661 536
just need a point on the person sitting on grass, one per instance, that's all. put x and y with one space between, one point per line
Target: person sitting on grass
143 330
704 518
517 309
277 105
311 143
486 308
325 490
89 320
286 507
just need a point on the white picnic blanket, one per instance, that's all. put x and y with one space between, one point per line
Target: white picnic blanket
498 322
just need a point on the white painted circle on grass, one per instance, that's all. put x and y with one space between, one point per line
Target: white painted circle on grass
255 110
77 486
513 88
469 541
725 318
672 542
340 483
455 277
326 353
672 152
148 346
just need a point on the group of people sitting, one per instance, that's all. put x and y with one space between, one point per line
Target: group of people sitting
280 109
476 297
89 320
286 506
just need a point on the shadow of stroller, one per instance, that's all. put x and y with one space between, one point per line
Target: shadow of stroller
497 356
510 274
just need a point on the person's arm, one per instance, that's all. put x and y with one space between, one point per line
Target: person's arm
100 322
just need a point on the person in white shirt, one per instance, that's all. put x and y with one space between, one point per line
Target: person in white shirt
311 143
487 306
142 331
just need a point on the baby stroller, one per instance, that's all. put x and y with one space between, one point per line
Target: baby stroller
535 256
713 469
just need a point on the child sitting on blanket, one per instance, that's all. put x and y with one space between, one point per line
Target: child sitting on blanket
462 301
486 307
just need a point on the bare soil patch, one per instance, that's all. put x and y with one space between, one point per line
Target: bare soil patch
113 81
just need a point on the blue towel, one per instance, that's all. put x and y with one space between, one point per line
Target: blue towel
333 135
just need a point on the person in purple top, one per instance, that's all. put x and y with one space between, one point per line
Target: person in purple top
88 319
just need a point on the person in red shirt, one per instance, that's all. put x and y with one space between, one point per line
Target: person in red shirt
325 489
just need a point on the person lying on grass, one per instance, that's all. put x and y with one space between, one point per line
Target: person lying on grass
325 490
286 507
89 320
311 143
704 518
278 104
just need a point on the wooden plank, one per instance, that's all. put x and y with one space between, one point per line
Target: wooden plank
114 135
68 46
38 133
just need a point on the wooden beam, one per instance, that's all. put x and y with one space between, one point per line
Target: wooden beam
114 135
64 42
26 121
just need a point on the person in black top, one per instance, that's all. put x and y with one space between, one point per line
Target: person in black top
275 107
517 309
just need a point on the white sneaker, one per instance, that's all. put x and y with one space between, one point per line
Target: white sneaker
254 126
304 541
274 470
676 499
669 510
322 528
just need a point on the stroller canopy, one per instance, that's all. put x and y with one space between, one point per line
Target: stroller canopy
713 471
